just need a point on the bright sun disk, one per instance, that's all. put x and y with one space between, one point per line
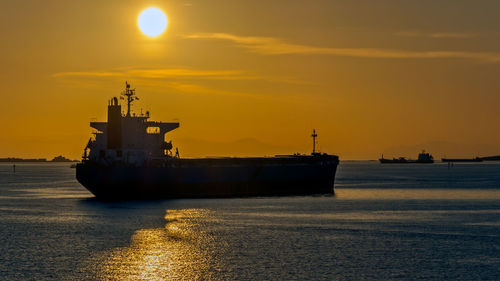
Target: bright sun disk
152 22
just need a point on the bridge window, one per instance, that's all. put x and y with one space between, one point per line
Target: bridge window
153 130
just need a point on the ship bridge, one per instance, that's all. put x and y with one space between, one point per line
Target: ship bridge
164 127
129 137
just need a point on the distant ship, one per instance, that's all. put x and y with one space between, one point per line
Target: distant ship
491 158
477 159
424 158
128 157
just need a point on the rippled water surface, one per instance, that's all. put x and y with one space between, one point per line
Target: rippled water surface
404 222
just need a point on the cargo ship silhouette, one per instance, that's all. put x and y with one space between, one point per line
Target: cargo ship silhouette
128 158
423 158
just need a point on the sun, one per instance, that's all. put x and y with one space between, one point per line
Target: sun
152 22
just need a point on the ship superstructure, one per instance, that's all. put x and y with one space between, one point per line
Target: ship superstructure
128 138
128 157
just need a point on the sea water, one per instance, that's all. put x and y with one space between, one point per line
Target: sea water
385 222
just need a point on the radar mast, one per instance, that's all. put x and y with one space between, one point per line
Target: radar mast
130 96
314 136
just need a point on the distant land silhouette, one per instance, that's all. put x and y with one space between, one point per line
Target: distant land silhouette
59 158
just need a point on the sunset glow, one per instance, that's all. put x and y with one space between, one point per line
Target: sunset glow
249 78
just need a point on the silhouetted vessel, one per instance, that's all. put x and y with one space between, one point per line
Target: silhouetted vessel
477 159
129 158
491 158
423 158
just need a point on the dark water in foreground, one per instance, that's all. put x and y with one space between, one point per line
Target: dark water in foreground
385 222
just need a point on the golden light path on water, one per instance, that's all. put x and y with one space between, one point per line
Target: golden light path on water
174 252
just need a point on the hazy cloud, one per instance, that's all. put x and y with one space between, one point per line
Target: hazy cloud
159 73
275 46
451 35
180 79
178 74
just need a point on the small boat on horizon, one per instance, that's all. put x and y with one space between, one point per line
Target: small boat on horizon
423 158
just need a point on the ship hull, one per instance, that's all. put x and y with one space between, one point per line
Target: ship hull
212 178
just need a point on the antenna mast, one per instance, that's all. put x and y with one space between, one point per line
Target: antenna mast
130 94
314 135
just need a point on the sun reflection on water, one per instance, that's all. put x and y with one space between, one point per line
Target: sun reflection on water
175 252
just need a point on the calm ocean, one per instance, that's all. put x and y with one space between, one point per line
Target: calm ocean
385 222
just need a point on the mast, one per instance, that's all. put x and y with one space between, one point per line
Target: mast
314 135
130 96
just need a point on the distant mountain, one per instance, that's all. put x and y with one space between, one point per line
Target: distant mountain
61 158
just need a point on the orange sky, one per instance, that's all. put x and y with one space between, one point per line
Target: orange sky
255 77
